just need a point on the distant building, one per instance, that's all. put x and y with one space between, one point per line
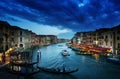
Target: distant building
61 40
47 39
42 39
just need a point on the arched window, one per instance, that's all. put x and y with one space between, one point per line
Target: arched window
21 45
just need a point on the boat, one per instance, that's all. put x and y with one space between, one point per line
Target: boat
58 71
60 45
22 68
65 53
80 53
75 48
68 44
113 60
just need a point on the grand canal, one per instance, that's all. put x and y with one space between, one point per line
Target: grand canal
90 67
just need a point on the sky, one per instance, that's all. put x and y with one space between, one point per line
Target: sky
61 17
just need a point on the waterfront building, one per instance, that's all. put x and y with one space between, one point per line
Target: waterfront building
4 36
104 37
14 36
53 39
50 39
61 40
35 39
24 39
109 38
42 39
82 38
93 38
116 39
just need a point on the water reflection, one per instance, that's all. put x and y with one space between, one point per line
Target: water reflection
90 67
96 56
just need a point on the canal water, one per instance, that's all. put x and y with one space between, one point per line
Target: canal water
90 67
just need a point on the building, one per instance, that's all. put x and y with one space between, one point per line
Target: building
82 38
14 36
42 39
61 40
116 39
24 38
104 37
4 36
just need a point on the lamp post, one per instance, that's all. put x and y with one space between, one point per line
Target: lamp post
38 56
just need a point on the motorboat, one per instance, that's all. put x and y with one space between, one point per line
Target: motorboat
65 53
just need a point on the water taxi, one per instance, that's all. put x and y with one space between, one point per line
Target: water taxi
65 53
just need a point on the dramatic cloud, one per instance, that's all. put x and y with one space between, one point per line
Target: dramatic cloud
77 15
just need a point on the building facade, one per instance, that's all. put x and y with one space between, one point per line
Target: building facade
4 36
104 37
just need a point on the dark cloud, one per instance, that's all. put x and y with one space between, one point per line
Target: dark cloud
78 15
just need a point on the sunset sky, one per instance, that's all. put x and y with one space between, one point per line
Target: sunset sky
61 17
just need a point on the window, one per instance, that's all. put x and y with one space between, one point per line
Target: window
118 38
102 37
106 37
118 32
106 43
111 36
21 45
21 39
1 40
118 45
111 43
12 39
20 33
12 33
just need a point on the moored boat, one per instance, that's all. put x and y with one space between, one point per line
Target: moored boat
113 60
75 49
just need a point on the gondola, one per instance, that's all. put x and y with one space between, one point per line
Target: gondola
58 71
